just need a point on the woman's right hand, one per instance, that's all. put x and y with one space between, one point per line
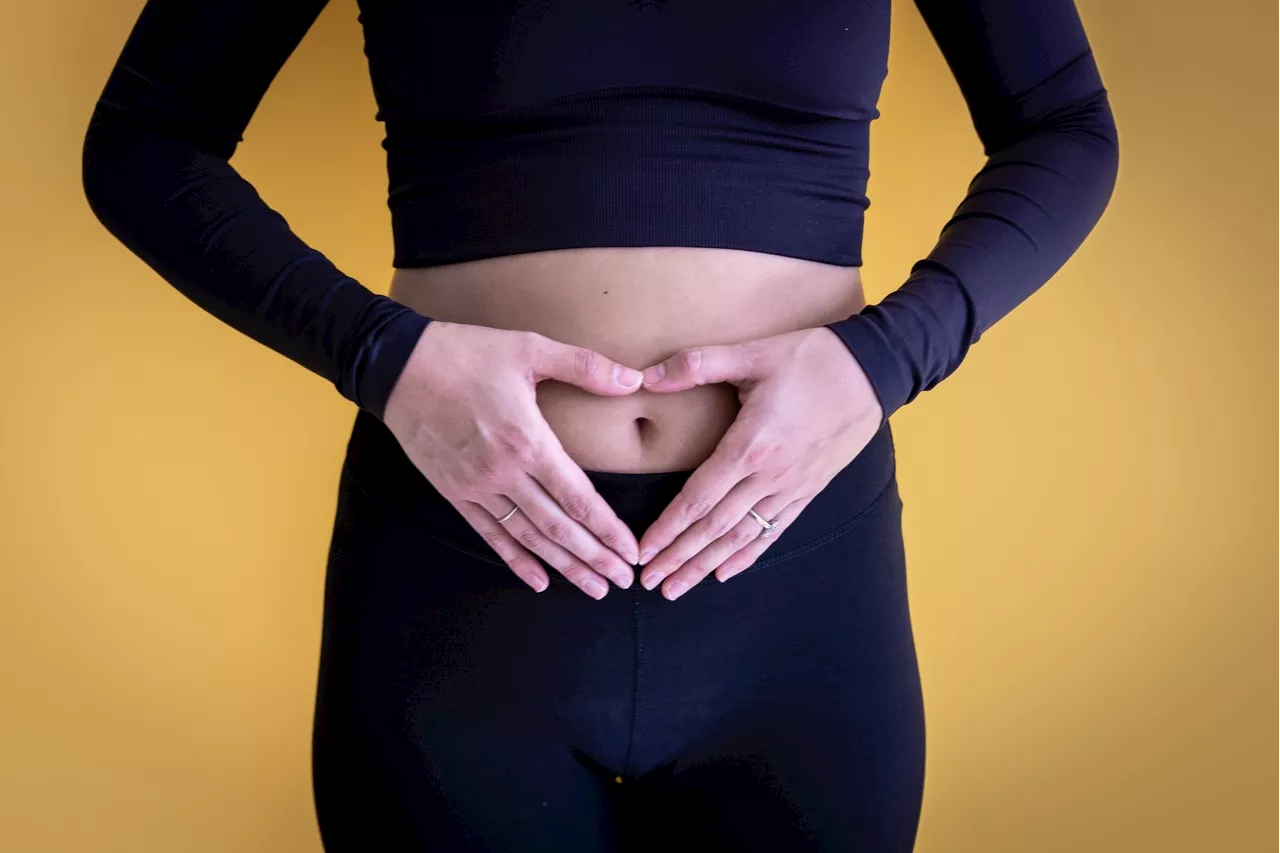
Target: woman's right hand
465 412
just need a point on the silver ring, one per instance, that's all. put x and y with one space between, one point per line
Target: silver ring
769 526
506 517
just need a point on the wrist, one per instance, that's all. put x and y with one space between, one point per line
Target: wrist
863 395
396 406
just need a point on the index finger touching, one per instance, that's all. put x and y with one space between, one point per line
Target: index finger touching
570 487
705 488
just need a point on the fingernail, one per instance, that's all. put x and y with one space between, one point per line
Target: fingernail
655 373
626 377
597 588
676 590
651 581
647 555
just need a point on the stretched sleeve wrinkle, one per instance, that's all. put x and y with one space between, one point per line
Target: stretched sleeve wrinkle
1036 99
156 172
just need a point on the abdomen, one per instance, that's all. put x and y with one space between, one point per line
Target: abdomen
637 306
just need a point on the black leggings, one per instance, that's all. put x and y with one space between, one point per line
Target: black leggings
459 710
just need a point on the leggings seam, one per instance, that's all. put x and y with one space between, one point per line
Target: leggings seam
628 765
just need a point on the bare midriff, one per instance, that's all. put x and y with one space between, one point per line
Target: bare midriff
637 306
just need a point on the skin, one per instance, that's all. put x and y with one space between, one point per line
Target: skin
806 413
511 394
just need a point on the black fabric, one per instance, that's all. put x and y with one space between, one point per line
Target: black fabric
459 710
516 126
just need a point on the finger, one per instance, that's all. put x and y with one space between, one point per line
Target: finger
746 532
725 517
549 516
743 559
586 368
530 537
570 487
704 365
744 450
525 566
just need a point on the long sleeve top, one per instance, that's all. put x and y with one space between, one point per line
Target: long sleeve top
1037 102
515 127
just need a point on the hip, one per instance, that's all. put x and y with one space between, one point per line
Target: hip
381 491
415 598
433 652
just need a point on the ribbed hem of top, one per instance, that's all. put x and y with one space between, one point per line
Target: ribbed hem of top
634 167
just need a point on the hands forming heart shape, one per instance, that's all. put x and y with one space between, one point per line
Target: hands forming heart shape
465 412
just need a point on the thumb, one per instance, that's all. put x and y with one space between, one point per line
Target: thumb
583 367
736 363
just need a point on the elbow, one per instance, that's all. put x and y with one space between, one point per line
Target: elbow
1086 136
1089 122
121 172
1069 111
1097 120
119 180
1100 133
91 181
96 167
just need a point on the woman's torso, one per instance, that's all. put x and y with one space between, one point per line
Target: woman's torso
637 306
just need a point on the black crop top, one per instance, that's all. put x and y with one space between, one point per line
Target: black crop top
526 125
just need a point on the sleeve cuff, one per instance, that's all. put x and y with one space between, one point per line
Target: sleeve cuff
890 380
384 359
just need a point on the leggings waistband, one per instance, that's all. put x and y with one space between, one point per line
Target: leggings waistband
378 466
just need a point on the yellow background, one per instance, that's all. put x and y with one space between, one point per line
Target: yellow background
1090 501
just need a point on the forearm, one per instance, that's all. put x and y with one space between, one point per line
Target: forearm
193 219
1028 209
156 172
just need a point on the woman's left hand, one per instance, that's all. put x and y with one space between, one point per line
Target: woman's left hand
807 411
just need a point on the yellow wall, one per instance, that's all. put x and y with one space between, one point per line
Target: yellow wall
1090 501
